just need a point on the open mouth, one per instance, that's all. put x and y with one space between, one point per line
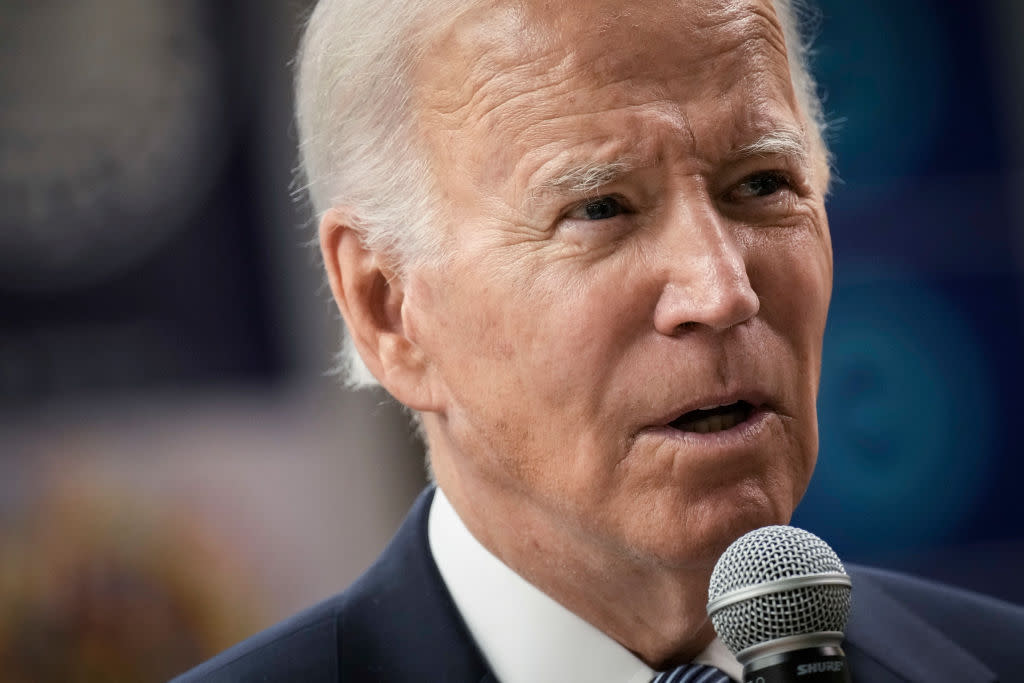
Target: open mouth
716 419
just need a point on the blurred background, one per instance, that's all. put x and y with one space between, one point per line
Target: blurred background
178 471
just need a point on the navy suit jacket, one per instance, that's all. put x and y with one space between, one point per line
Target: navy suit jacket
398 623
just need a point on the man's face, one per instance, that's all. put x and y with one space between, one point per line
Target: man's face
637 231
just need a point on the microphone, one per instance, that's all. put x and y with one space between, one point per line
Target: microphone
779 599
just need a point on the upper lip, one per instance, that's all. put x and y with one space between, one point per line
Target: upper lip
756 398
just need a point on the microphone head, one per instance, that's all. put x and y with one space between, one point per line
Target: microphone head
777 582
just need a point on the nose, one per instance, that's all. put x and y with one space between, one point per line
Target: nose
707 284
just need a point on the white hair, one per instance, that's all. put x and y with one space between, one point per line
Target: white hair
356 126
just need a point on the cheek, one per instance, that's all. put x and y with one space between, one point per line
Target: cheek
792 276
487 339
560 325
528 359
803 299
793 279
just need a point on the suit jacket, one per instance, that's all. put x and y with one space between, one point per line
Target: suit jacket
398 623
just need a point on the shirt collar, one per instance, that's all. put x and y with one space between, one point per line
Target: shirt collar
525 635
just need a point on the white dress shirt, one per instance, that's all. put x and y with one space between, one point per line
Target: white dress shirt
526 636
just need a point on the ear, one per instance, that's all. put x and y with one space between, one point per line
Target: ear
370 297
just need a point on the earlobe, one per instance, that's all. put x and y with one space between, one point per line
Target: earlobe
370 296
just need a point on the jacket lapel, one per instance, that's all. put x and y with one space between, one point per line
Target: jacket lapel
401 624
887 642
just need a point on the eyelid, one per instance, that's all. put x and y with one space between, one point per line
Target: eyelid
784 175
627 208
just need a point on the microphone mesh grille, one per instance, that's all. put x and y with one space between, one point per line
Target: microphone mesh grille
769 554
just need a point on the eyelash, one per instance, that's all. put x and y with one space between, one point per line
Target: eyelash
622 207
777 181
779 178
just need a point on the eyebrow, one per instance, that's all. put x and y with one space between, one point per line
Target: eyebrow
588 178
788 142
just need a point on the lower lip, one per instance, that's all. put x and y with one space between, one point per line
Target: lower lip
745 432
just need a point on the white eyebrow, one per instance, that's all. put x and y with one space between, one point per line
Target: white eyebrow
586 178
781 142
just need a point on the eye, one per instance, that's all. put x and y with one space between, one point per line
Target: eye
599 209
763 184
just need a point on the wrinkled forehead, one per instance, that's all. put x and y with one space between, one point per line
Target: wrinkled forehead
611 40
509 84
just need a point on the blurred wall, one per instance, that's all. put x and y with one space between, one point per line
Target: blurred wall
165 335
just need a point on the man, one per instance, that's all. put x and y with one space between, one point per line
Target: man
587 245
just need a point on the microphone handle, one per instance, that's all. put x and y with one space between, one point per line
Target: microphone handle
826 664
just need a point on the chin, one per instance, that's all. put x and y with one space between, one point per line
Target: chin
709 528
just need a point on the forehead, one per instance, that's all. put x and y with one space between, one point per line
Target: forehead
533 78
601 35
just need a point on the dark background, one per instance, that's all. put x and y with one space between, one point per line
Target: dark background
920 448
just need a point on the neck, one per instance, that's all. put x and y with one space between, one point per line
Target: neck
656 612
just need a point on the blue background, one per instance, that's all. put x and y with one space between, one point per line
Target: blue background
920 464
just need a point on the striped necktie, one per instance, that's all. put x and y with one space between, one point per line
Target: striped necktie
692 673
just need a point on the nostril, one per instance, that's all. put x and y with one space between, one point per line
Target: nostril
687 327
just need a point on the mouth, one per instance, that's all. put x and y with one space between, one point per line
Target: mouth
714 419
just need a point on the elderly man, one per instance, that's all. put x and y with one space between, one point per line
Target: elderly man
587 245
